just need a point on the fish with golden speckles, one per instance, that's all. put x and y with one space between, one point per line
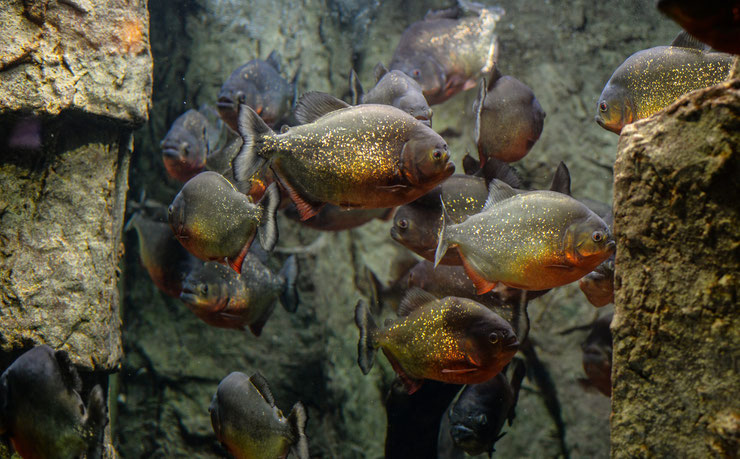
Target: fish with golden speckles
222 298
453 340
248 423
367 156
650 80
215 222
532 240
449 50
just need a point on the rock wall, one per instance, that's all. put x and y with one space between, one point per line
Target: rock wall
564 50
676 327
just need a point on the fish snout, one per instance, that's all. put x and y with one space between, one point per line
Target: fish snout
611 246
511 343
226 101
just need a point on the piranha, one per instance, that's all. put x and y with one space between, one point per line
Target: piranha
597 356
247 422
651 79
449 50
215 222
367 156
258 84
164 258
393 88
187 145
508 119
41 409
532 240
481 410
598 285
714 22
453 340
334 218
222 298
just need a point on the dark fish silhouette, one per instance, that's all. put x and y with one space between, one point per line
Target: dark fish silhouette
597 356
247 422
367 156
41 409
454 340
258 84
481 410
508 119
598 285
186 146
222 298
651 79
449 50
714 22
393 88
215 222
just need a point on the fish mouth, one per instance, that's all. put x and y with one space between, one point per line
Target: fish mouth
225 103
188 296
394 234
466 438
425 120
171 152
511 343
603 124
450 168
611 246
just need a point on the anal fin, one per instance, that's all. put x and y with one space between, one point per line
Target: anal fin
305 208
481 285
411 384
236 263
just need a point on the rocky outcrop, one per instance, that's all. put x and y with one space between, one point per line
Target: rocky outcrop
676 327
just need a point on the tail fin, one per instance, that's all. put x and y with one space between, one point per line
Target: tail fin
297 422
97 418
368 329
289 297
442 244
268 230
252 156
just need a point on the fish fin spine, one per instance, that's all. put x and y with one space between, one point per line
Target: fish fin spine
260 383
414 299
498 191
268 230
366 346
481 285
297 420
253 153
305 209
289 296
442 242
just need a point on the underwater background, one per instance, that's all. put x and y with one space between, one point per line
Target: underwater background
564 50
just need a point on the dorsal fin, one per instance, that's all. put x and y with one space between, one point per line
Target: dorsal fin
497 169
68 371
470 164
313 105
379 71
414 299
274 60
561 179
355 88
260 383
684 40
498 191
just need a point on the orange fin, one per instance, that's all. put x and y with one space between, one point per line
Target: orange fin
305 209
481 285
236 263
411 384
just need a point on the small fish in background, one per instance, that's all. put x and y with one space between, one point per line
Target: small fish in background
42 411
598 285
453 340
508 119
714 22
651 79
416 225
481 410
597 356
334 218
393 88
534 240
215 222
449 50
163 257
366 156
222 298
186 146
247 422
258 84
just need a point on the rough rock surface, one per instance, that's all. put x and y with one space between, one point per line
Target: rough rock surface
564 50
676 327
88 55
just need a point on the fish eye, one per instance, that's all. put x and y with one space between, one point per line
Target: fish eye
403 223
416 73
204 289
493 338
602 106
437 154
170 210
597 236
